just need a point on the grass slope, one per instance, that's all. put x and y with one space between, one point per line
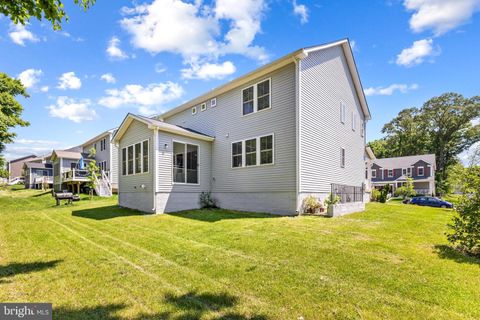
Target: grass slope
94 260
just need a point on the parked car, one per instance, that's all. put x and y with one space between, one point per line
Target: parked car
430 202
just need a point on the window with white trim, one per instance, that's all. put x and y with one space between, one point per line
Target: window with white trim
390 173
256 97
404 171
343 112
374 173
342 157
203 106
253 152
134 160
362 129
421 171
194 110
354 121
213 102
185 163
409 171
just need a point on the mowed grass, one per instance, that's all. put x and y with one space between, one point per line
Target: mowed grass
94 260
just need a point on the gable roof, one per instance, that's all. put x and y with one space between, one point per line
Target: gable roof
160 125
37 165
277 64
23 158
99 136
404 162
66 154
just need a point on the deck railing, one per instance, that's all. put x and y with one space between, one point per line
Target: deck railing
348 193
75 174
43 179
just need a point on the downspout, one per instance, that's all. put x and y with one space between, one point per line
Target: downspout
154 168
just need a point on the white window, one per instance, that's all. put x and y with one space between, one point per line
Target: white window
404 171
421 171
194 110
203 106
354 121
362 129
185 163
134 159
256 97
213 102
343 110
252 152
390 173
342 157
409 171
374 173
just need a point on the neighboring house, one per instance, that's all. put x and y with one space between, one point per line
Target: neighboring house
369 158
68 172
15 168
106 155
394 171
262 142
38 173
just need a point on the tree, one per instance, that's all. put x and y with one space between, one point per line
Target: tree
10 109
20 11
93 171
466 224
407 190
380 148
3 169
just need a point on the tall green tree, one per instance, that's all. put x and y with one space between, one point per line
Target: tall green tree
21 11
10 108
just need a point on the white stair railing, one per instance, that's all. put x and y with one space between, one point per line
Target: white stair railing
102 186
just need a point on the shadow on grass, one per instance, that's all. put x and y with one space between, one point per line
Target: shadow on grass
12 269
213 215
195 305
42 194
104 312
447 252
108 212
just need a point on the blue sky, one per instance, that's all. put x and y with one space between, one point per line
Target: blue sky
147 57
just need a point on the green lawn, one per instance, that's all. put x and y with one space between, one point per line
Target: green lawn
93 260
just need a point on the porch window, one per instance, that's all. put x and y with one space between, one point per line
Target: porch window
421 171
185 163
145 155
124 161
138 155
130 159
237 154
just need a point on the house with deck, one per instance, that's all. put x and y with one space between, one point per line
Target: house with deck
395 171
15 169
38 173
262 142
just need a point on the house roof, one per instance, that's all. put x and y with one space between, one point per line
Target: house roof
66 154
404 162
23 158
277 64
99 136
160 125
37 165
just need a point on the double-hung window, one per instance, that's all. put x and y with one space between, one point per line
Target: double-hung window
404 171
256 97
253 152
390 173
185 163
374 173
134 160
421 171
409 171
343 112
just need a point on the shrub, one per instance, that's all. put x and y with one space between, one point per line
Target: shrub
311 204
384 193
207 201
332 200
466 224
406 190
374 195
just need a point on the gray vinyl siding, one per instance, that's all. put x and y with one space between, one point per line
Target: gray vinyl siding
226 123
131 194
114 165
325 82
110 155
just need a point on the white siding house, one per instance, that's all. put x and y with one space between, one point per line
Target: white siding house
262 142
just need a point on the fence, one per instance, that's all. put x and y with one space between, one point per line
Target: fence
348 193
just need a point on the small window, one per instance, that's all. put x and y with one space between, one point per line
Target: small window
266 150
203 106
130 159
138 158
374 173
247 98
362 129
354 121
145 155
421 171
342 157
237 154
124 161
390 173
251 152
194 110
213 103
342 112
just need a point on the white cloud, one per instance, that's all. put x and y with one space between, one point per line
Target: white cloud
19 34
417 53
44 89
301 11
208 71
440 15
146 98
69 80
114 51
194 30
108 78
30 77
75 110
388 91
37 141
160 68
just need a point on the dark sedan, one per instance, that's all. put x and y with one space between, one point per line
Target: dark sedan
431 202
